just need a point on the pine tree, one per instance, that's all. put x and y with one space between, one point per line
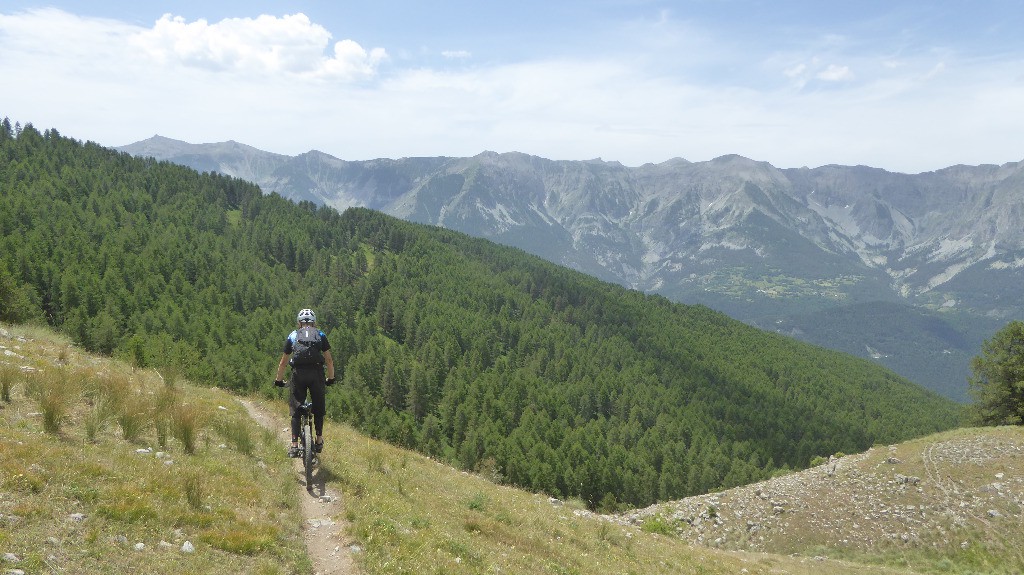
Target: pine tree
997 382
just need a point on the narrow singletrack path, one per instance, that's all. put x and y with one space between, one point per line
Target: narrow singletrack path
321 509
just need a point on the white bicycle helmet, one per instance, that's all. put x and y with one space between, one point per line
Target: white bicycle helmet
306 316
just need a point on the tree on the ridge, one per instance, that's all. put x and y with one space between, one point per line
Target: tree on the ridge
997 382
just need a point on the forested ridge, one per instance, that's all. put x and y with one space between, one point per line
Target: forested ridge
478 354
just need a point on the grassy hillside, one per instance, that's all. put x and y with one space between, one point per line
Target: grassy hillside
81 497
111 470
946 503
475 354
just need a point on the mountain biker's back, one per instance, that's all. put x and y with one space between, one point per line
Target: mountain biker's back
306 346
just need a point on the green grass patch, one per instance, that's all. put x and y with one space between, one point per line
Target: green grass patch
657 524
75 476
241 540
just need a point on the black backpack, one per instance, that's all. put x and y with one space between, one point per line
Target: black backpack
306 349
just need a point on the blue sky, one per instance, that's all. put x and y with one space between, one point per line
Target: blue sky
905 86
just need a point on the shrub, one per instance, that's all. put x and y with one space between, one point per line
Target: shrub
194 494
97 417
657 524
478 502
8 375
55 391
166 402
237 433
169 375
133 413
186 421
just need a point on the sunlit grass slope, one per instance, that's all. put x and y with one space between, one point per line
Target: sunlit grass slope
108 470
408 514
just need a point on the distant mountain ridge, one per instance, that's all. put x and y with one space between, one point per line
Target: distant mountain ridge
783 249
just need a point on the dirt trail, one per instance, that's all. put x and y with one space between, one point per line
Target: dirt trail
322 510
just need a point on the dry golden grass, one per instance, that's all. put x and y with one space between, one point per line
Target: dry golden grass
82 487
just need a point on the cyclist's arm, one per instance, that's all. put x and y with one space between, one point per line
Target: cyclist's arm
281 365
329 361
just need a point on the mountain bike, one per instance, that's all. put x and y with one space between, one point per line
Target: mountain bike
310 459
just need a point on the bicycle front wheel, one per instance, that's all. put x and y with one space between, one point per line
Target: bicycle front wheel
307 452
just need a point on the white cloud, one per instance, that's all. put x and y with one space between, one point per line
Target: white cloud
456 54
795 71
272 45
834 73
351 61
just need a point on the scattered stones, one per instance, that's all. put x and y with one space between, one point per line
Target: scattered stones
318 523
860 503
77 517
187 547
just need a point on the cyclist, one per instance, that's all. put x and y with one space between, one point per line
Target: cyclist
308 351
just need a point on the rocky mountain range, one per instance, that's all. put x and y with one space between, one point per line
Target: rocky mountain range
914 271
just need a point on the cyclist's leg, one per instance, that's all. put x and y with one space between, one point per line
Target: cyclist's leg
296 397
318 395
